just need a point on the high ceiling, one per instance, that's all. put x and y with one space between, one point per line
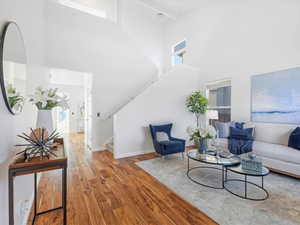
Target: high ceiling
173 8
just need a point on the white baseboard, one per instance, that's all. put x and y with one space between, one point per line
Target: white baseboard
130 154
98 148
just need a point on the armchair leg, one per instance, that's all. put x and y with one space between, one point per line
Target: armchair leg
182 153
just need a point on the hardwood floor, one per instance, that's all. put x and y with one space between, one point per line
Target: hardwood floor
105 191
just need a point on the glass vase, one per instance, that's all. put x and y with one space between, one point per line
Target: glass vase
202 146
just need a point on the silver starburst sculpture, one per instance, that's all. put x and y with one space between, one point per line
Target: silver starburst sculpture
39 143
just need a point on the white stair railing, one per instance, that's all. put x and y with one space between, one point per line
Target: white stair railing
148 85
121 106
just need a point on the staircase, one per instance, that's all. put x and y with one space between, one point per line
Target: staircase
142 90
121 106
110 144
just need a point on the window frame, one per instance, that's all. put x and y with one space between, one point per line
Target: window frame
227 82
180 53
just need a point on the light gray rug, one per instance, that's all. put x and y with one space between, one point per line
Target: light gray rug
282 207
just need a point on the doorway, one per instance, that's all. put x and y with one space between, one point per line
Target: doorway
77 86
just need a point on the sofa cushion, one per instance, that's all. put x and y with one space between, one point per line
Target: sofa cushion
294 140
223 129
172 144
241 134
223 143
271 151
239 125
162 136
275 151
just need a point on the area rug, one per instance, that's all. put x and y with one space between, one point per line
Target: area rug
281 208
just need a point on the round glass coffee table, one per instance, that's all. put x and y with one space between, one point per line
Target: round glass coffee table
212 163
247 173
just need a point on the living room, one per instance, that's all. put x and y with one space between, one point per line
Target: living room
146 58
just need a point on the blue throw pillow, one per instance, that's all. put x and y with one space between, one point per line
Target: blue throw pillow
239 125
223 129
241 134
294 139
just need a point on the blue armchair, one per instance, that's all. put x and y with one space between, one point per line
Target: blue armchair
171 146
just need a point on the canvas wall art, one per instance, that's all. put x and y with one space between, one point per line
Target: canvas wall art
275 97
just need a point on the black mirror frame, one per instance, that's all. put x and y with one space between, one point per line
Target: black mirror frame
2 83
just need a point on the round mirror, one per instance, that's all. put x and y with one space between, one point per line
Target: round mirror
13 68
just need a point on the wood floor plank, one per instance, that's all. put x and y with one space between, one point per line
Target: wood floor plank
105 191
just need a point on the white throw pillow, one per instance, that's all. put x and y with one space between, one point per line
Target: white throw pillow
250 125
162 136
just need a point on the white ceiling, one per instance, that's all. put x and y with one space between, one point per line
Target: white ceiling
174 8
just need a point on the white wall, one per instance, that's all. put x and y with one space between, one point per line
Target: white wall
163 102
82 42
29 15
144 27
238 39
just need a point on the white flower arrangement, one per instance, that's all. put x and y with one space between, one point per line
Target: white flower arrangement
47 99
201 133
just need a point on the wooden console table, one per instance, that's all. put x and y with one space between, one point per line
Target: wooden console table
19 167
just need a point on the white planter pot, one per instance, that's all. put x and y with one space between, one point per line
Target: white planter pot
44 120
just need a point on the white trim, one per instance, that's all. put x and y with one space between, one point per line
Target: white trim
130 154
209 83
218 84
83 8
98 148
218 107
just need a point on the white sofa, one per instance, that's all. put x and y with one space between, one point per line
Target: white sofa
279 158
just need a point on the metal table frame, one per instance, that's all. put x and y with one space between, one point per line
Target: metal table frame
206 167
12 173
246 182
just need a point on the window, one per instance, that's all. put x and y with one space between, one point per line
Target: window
219 99
101 8
178 52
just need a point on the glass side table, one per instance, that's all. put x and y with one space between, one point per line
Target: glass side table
246 173
210 162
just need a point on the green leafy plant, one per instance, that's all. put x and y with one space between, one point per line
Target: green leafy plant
196 103
15 99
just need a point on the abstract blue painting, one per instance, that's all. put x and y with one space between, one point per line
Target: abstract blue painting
276 97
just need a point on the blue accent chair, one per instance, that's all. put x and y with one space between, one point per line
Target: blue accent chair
173 145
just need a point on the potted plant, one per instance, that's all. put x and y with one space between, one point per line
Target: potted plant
196 103
45 100
15 99
200 137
